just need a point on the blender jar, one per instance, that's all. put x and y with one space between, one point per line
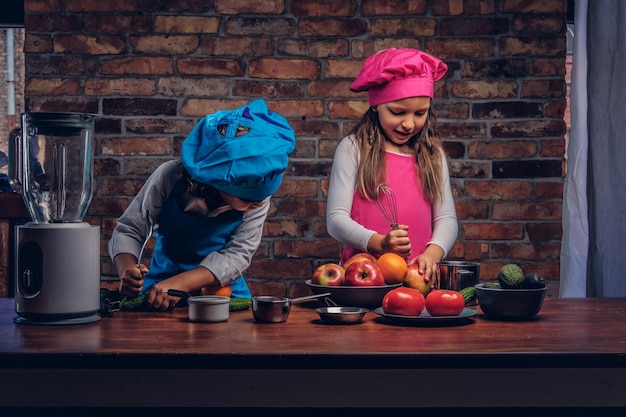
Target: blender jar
50 164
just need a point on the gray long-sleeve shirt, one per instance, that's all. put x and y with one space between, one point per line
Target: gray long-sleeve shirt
132 227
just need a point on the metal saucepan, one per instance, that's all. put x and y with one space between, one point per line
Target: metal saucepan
268 309
205 308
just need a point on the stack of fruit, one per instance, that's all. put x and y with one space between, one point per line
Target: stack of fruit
363 270
410 299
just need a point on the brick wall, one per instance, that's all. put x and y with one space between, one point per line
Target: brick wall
151 68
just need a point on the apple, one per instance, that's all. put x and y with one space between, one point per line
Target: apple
357 257
364 273
330 274
414 279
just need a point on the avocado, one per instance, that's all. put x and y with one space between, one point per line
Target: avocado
511 276
533 280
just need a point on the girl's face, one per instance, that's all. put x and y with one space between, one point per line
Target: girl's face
402 119
239 204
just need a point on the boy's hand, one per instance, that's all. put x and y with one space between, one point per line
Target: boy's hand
131 281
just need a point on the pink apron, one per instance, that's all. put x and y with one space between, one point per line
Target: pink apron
413 209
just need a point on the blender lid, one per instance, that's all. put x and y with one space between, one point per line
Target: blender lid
59 123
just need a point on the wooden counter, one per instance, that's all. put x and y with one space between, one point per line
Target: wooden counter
572 355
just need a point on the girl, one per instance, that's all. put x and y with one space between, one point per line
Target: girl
208 208
396 143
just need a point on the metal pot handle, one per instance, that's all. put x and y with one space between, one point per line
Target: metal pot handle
460 279
15 160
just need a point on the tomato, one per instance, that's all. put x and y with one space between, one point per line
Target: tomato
403 301
444 303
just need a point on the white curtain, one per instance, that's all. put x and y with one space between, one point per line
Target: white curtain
593 261
575 242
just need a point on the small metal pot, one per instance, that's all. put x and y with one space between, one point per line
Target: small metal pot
205 308
456 275
268 309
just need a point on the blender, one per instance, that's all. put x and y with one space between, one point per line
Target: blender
57 256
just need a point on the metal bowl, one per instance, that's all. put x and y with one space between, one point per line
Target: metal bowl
510 304
341 315
343 295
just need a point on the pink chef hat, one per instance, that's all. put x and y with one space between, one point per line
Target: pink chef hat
393 74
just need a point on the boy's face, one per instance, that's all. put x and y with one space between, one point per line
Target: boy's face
239 204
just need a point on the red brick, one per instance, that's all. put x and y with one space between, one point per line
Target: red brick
332 27
53 87
253 7
90 45
484 89
526 211
499 190
137 65
186 24
252 46
502 149
169 45
120 86
308 8
101 6
394 7
260 26
493 231
284 68
313 48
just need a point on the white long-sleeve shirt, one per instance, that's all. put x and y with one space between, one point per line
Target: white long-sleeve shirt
341 194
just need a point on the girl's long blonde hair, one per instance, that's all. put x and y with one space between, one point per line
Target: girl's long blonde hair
426 148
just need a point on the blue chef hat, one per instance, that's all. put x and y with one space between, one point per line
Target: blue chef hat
242 152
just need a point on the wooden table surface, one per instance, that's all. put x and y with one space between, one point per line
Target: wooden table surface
573 346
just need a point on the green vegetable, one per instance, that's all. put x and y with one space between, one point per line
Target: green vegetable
237 304
468 293
139 303
134 303
511 276
491 284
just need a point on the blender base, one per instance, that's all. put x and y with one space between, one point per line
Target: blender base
78 320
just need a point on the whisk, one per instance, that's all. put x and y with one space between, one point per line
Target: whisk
386 203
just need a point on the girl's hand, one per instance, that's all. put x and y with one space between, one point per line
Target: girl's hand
131 280
397 241
427 261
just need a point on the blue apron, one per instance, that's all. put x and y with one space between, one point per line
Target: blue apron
184 240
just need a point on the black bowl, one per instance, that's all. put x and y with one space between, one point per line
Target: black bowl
510 304
350 296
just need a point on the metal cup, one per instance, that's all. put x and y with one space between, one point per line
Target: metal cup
456 275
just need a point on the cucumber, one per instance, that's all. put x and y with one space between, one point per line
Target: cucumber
139 303
134 303
469 293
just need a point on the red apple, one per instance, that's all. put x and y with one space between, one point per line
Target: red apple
414 279
358 257
364 273
329 274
